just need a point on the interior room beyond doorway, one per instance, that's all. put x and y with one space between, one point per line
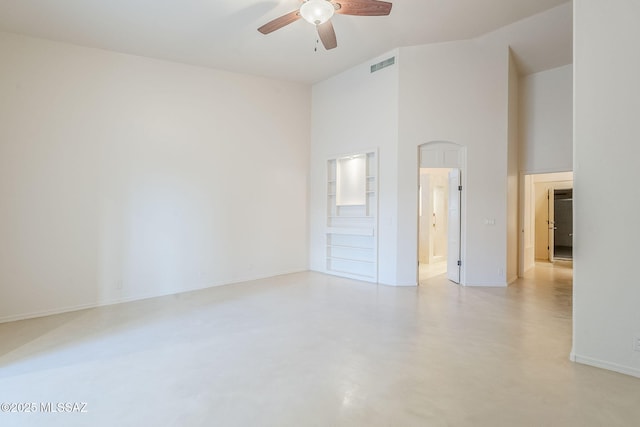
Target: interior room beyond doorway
433 222
547 219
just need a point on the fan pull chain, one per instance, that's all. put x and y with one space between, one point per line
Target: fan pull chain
315 49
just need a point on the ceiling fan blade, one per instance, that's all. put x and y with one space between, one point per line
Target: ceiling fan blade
363 7
327 35
278 23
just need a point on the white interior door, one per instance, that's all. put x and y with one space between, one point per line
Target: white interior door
552 223
453 242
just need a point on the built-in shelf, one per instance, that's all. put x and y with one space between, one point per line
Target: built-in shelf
351 260
368 192
351 233
360 248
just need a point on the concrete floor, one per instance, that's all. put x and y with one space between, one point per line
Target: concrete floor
429 271
313 350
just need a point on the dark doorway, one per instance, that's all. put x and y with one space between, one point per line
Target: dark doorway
563 224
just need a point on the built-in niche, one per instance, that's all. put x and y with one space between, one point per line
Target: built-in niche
351 181
352 206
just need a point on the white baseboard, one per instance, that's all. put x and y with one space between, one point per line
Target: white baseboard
401 285
486 285
355 277
131 298
364 279
627 370
50 312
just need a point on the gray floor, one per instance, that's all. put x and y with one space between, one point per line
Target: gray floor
563 252
313 350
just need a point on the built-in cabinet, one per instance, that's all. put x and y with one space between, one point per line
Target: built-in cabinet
352 211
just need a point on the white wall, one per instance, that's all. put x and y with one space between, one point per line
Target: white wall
352 112
457 92
528 224
607 131
454 92
513 172
425 220
546 143
546 121
124 177
541 215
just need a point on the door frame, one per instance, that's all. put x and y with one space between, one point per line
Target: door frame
561 177
445 155
553 228
551 223
454 227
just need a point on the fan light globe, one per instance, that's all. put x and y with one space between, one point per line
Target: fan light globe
317 12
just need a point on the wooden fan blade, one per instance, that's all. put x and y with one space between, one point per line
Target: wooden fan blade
278 23
363 7
327 35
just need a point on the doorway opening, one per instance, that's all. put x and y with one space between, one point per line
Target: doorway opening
439 223
441 229
561 224
547 219
433 207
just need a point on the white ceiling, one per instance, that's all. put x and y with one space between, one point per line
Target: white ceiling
222 33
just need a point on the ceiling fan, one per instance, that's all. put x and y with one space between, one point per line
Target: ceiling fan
319 13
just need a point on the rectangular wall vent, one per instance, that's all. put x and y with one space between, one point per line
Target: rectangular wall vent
384 64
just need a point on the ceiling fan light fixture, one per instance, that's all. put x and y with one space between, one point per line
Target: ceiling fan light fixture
317 12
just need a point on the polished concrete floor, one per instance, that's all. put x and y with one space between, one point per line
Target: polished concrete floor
313 350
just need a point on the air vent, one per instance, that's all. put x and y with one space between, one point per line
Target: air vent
384 64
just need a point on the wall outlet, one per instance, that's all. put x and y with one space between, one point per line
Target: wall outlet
119 284
636 343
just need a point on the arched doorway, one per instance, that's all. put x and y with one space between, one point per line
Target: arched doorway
440 202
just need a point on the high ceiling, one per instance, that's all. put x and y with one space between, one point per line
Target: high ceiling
222 33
